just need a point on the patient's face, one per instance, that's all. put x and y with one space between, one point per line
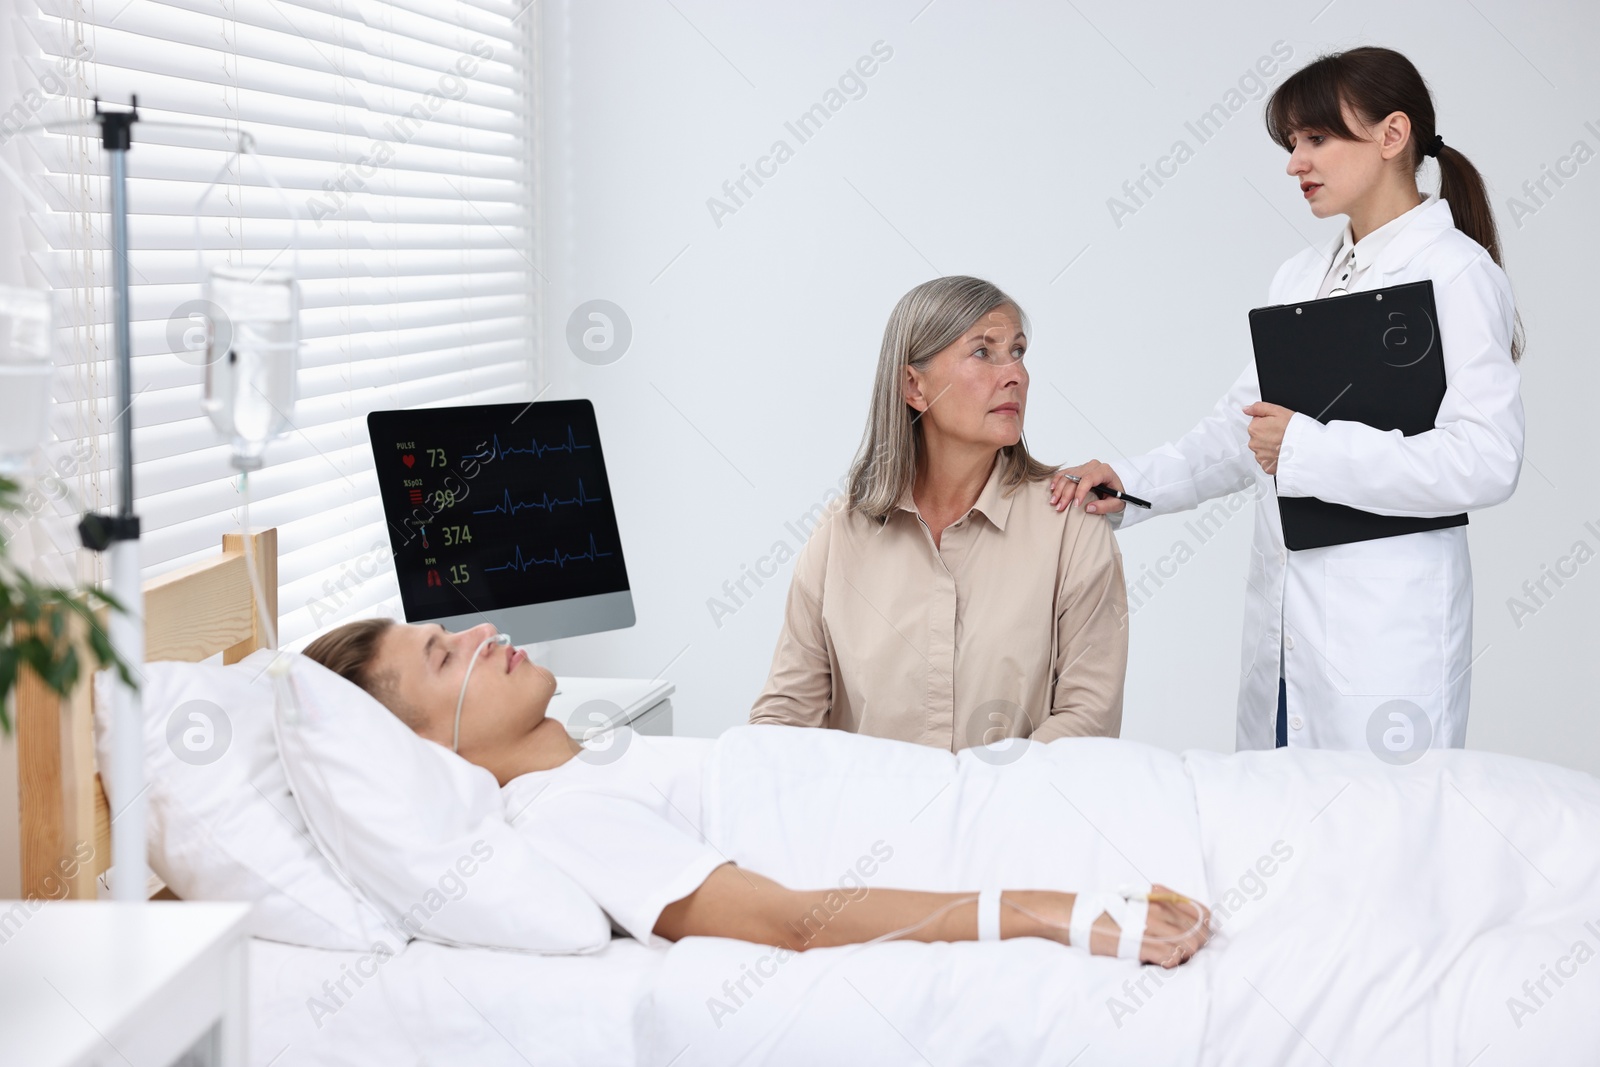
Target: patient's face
976 390
506 698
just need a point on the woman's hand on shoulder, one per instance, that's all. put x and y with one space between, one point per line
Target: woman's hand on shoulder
1064 492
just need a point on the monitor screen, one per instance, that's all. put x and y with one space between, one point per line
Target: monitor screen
502 513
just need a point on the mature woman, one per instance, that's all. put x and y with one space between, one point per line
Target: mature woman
942 602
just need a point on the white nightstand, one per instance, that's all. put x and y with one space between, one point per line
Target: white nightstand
92 983
584 704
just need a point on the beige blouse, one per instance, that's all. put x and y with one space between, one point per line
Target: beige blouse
1015 625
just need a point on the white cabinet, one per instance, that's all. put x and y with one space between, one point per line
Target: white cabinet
98 983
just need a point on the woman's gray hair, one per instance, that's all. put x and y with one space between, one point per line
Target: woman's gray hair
925 322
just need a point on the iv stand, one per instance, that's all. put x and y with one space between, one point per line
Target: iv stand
119 534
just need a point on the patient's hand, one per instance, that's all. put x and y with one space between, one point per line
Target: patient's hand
1064 492
1173 932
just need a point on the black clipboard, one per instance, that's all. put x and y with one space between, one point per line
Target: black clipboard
1373 357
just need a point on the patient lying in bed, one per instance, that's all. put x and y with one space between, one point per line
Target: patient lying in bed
645 796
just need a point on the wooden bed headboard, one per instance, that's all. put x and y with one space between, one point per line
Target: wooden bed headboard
190 614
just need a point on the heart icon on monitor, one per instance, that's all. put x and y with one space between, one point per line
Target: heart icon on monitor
408 459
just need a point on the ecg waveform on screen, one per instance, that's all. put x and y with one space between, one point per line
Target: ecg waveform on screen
546 502
519 563
498 451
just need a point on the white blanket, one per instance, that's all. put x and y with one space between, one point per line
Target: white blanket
1418 902
1367 913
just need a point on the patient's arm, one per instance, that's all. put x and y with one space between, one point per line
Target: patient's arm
736 903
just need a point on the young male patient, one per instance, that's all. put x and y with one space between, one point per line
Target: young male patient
652 871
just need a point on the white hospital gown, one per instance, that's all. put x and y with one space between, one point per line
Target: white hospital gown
622 819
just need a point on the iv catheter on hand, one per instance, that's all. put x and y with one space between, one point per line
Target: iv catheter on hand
494 639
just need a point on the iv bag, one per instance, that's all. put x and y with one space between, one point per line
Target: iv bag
252 356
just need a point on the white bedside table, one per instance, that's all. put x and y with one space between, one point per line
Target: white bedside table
92 983
584 704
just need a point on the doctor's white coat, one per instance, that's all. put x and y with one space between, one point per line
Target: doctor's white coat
1365 624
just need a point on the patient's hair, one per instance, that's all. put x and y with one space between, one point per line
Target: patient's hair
925 322
351 651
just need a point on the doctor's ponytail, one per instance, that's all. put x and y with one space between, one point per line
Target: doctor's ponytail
1376 82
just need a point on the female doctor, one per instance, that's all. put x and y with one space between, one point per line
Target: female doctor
1364 644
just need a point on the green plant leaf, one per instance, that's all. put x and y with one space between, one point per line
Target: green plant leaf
48 649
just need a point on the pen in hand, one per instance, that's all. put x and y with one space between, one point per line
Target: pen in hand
1106 490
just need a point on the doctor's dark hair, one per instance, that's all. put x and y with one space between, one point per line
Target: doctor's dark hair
926 321
1376 82
351 651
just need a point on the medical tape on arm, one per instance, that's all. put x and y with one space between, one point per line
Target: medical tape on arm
989 915
1135 912
1130 916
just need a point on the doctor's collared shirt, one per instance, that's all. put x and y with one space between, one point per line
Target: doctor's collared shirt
1014 625
1354 258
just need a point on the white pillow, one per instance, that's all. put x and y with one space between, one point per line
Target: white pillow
222 825
419 829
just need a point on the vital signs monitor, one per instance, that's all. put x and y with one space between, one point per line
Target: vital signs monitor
502 513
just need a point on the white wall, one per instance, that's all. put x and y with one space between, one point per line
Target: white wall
989 143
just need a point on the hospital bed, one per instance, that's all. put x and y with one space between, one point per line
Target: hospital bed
1447 913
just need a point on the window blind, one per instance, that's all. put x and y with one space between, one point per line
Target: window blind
403 133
